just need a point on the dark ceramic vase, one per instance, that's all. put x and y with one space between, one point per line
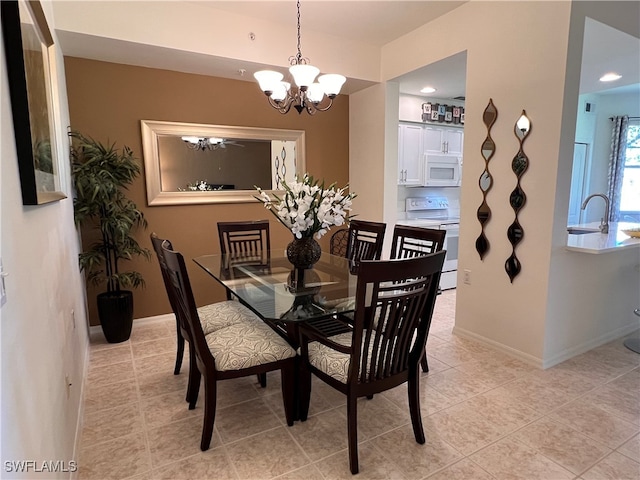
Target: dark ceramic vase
115 310
303 252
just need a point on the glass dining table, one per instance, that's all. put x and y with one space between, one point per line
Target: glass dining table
282 295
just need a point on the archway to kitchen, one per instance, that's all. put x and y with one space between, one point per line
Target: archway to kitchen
431 117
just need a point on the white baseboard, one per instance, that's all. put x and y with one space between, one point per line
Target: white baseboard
593 343
554 360
525 357
97 329
79 422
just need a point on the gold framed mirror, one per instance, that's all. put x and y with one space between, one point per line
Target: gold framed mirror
188 163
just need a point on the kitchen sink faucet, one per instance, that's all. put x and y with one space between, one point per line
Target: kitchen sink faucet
604 222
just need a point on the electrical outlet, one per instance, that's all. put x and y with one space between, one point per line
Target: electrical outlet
467 277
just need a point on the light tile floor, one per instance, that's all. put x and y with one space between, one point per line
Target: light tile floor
486 416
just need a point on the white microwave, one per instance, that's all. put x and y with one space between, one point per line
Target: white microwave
442 171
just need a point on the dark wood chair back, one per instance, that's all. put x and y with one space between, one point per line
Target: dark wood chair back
365 240
181 331
394 300
186 308
245 239
157 247
338 242
409 242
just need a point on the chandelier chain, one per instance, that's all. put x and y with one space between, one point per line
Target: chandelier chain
299 48
298 59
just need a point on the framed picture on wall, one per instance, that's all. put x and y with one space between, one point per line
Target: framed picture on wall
28 45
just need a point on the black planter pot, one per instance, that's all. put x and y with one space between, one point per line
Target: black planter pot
115 310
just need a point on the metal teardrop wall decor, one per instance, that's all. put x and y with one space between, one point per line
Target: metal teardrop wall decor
517 199
487 149
281 171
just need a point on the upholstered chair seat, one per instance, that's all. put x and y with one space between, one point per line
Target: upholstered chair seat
246 345
217 316
330 361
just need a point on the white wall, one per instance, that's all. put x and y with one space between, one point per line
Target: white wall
505 314
196 29
40 343
533 65
591 297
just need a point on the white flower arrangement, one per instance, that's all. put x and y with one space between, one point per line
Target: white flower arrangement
308 209
197 186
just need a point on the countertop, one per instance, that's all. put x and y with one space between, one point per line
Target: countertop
598 242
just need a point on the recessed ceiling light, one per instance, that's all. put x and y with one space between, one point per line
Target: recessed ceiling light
610 77
428 90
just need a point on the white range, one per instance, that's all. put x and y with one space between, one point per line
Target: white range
433 212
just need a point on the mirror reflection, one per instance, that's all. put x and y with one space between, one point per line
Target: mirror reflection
192 163
490 114
198 164
512 266
484 213
519 163
517 198
515 233
482 244
485 181
488 148
523 126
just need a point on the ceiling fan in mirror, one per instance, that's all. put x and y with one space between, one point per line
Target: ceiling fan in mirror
208 143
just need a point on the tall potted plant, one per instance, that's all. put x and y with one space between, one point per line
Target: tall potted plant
101 174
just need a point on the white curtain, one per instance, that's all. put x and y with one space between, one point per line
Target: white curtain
616 164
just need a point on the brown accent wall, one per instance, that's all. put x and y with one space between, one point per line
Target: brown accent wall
107 102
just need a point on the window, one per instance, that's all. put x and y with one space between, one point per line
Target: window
630 193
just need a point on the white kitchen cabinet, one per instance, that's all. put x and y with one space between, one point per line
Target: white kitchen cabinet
410 154
443 140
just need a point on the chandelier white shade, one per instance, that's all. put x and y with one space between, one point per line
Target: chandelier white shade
309 95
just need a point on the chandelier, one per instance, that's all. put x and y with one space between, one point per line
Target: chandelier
308 95
204 143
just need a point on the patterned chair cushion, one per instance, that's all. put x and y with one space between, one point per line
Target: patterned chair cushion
247 344
330 361
220 315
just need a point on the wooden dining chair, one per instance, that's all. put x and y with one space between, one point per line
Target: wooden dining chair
239 350
338 242
409 242
247 238
246 241
394 306
214 317
365 240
